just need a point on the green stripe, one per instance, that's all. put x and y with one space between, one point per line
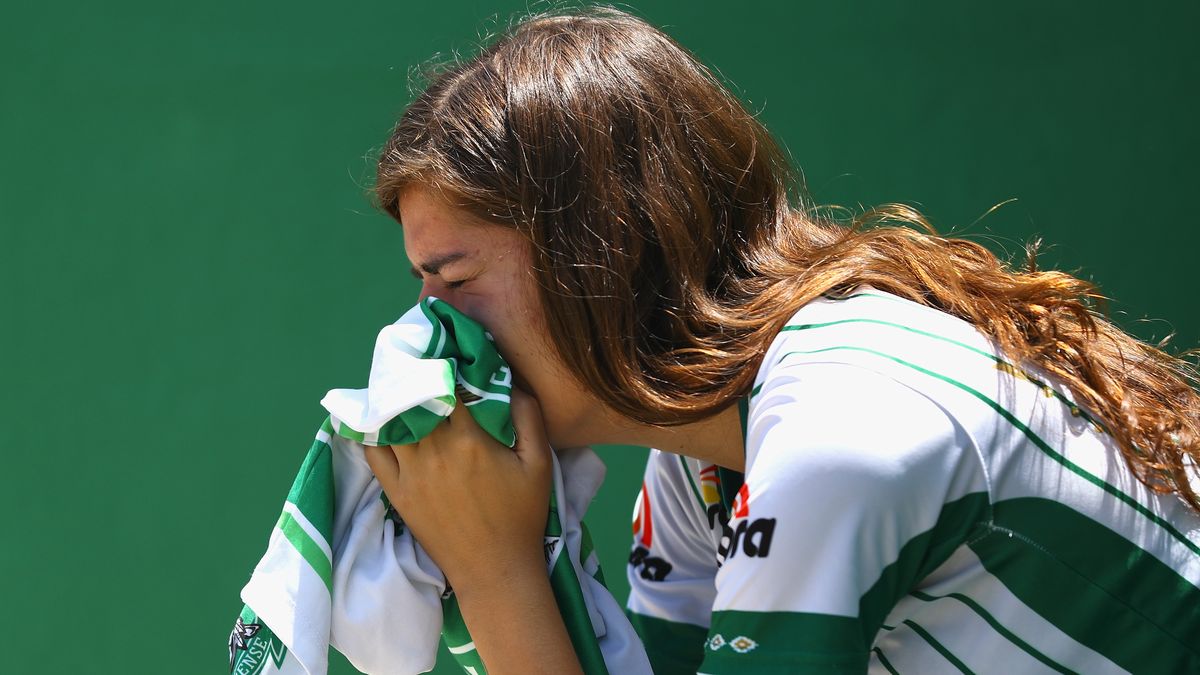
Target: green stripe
308 548
919 556
571 606
1033 437
1044 386
1094 584
586 546
352 434
954 660
692 482
408 427
884 662
996 626
313 490
435 330
810 326
1076 606
674 648
586 549
787 642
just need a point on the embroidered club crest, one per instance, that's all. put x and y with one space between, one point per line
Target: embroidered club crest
240 638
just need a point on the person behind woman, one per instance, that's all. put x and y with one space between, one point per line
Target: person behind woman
877 448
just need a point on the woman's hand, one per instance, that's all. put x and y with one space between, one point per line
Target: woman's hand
476 506
479 509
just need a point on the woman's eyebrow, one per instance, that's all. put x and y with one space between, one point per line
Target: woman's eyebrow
435 265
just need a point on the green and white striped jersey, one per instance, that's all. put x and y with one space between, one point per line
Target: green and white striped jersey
912 503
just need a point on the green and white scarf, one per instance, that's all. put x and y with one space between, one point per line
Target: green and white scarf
341 569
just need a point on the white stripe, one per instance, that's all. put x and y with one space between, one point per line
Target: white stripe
963 573
346 431
968 637
282 576
436 407
308 527
910 653
323 436
463 649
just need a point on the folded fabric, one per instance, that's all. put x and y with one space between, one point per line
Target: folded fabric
340 567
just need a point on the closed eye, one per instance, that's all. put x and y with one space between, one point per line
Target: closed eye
448 284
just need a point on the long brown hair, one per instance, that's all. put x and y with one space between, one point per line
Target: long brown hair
672 238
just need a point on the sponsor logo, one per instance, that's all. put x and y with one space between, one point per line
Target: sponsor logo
751 536
741 503
652 568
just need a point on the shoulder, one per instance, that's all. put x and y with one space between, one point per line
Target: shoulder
839 445
848 468
841 437
848 392
842 416
870 381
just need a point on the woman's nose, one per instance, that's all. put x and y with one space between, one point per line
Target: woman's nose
439 292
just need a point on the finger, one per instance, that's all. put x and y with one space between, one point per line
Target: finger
382 461
529 425
527 417
404 454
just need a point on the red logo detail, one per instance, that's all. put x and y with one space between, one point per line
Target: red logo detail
741 505
641 522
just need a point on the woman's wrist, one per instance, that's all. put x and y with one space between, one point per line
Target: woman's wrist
514 620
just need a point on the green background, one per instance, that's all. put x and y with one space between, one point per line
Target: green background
188 260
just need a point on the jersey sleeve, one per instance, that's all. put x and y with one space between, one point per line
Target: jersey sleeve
672 567
852 496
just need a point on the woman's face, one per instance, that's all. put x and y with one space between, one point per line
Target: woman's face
484 271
